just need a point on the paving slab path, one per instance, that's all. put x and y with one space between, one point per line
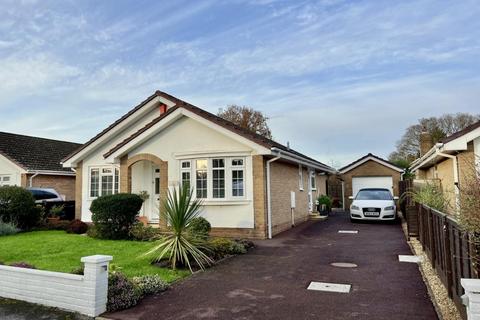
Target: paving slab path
270 281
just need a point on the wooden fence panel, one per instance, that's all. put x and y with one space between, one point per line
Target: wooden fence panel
449 250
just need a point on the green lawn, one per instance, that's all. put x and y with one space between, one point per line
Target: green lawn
60 251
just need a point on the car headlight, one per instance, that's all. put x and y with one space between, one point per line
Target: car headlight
354 208
391 208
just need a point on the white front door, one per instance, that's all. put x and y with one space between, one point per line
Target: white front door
358 183
155 198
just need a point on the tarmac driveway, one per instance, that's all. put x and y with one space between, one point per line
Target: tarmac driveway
270 282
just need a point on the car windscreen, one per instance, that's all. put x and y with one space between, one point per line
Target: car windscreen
374 194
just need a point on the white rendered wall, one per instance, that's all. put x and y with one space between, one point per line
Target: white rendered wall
10 169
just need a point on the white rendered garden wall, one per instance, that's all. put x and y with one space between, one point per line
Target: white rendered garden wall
86 294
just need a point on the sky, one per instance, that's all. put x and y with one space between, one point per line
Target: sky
338 79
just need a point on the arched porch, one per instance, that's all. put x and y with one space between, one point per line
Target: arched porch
146 173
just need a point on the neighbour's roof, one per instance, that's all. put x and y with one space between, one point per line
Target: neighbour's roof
366 158
35 154
462 132
257 138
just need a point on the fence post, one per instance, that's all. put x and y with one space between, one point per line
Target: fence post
448 257
471 298
96 275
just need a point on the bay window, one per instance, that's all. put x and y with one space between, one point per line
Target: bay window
214 178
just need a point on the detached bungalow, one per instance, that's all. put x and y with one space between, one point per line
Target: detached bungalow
251 186
35 162
449 162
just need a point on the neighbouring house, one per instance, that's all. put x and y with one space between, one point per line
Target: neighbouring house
369 171
450 162
251 186
36 162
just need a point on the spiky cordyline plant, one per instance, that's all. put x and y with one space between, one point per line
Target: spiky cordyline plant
179 209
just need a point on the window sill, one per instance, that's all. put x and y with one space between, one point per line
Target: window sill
232 202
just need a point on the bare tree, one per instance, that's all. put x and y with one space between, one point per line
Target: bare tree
408 147
247 118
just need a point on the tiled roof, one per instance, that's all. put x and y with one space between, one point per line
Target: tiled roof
257 138
462 132
367 156
33 153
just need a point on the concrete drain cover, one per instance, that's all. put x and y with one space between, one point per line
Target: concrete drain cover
343 265
347 231
412 259
329 287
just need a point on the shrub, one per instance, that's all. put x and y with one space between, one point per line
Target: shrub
122 293
140 232
114 215
77 226
179 209
53 225
79 270
431 195
325 200
22 265
18 206
222 247
92 232
8 228
57 211
199 227
150 284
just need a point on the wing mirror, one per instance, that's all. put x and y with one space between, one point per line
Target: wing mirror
396 198
351 198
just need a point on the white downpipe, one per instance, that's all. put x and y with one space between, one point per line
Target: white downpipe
455 177
269 198
31 179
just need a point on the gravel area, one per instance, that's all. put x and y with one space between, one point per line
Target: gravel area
444 306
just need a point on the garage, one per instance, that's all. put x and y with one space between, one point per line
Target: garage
369 171
358 183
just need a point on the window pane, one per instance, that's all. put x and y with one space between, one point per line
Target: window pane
237 183
185 164
157 186
94 182
201 164
186 179
218 163
201 183
107 185
237 162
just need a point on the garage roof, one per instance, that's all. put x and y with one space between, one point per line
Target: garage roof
369 157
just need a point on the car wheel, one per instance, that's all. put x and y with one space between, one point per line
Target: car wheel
352 220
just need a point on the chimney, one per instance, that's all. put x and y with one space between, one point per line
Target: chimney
426 142
163 108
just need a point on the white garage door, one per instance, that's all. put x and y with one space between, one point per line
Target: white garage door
371 182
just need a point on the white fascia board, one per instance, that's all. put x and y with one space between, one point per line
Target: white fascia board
51 173
297 159
259 149
460 143
165 122
72 162
386 164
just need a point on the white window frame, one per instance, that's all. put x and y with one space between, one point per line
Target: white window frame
300 177
228 168
224 177
237 168
313 178
115 182
186 170
8 181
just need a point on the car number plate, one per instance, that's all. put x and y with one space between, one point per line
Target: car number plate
371 214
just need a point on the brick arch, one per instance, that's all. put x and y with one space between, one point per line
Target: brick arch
126 164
